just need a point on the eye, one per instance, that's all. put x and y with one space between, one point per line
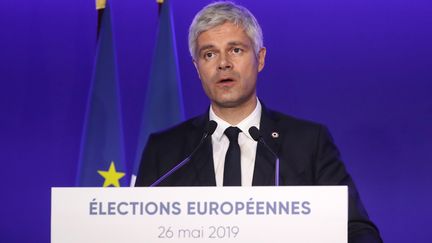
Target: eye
209 55
237 50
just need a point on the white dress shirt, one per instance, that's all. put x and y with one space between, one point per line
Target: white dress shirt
247 145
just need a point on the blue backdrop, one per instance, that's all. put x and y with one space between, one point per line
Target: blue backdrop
363 68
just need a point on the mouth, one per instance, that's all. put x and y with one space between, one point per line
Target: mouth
226 80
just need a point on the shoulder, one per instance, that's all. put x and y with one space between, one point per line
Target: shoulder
291 123
191 127
292 129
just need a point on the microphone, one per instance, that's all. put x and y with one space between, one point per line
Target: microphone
208 131
256 135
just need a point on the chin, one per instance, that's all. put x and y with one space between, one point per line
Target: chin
229 103
225 103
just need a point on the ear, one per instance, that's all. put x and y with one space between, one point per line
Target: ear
261 58
196 67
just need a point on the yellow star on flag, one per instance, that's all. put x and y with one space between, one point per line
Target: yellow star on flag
111 176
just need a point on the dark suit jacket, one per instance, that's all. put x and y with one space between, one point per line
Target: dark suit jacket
307 155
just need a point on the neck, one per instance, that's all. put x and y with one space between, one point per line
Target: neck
234 115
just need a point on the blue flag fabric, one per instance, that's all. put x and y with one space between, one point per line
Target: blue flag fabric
164 102
101 160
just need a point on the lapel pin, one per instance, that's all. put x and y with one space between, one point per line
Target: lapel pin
275 134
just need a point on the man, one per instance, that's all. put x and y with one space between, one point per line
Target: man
226 44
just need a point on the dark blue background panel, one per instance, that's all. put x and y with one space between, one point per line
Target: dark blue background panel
363 68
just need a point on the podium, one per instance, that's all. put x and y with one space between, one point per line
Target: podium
299 214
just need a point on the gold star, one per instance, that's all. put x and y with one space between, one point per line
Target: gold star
111 176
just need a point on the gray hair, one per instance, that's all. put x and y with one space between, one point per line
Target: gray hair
218 13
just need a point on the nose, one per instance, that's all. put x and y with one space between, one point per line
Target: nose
224 63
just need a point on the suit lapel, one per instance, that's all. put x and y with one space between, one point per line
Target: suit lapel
202 161
264 171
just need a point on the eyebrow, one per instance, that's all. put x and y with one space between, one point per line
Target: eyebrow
205 47
237 43
231 43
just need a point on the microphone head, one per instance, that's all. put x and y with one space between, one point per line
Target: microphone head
210 128
254 132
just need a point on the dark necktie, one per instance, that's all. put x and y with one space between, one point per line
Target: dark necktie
232 168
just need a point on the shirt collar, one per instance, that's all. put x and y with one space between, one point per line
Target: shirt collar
252 120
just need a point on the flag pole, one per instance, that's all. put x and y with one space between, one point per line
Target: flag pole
100 7
160 2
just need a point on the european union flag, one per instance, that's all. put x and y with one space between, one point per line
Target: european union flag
101 157
164 102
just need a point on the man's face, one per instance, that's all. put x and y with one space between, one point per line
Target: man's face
228 66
